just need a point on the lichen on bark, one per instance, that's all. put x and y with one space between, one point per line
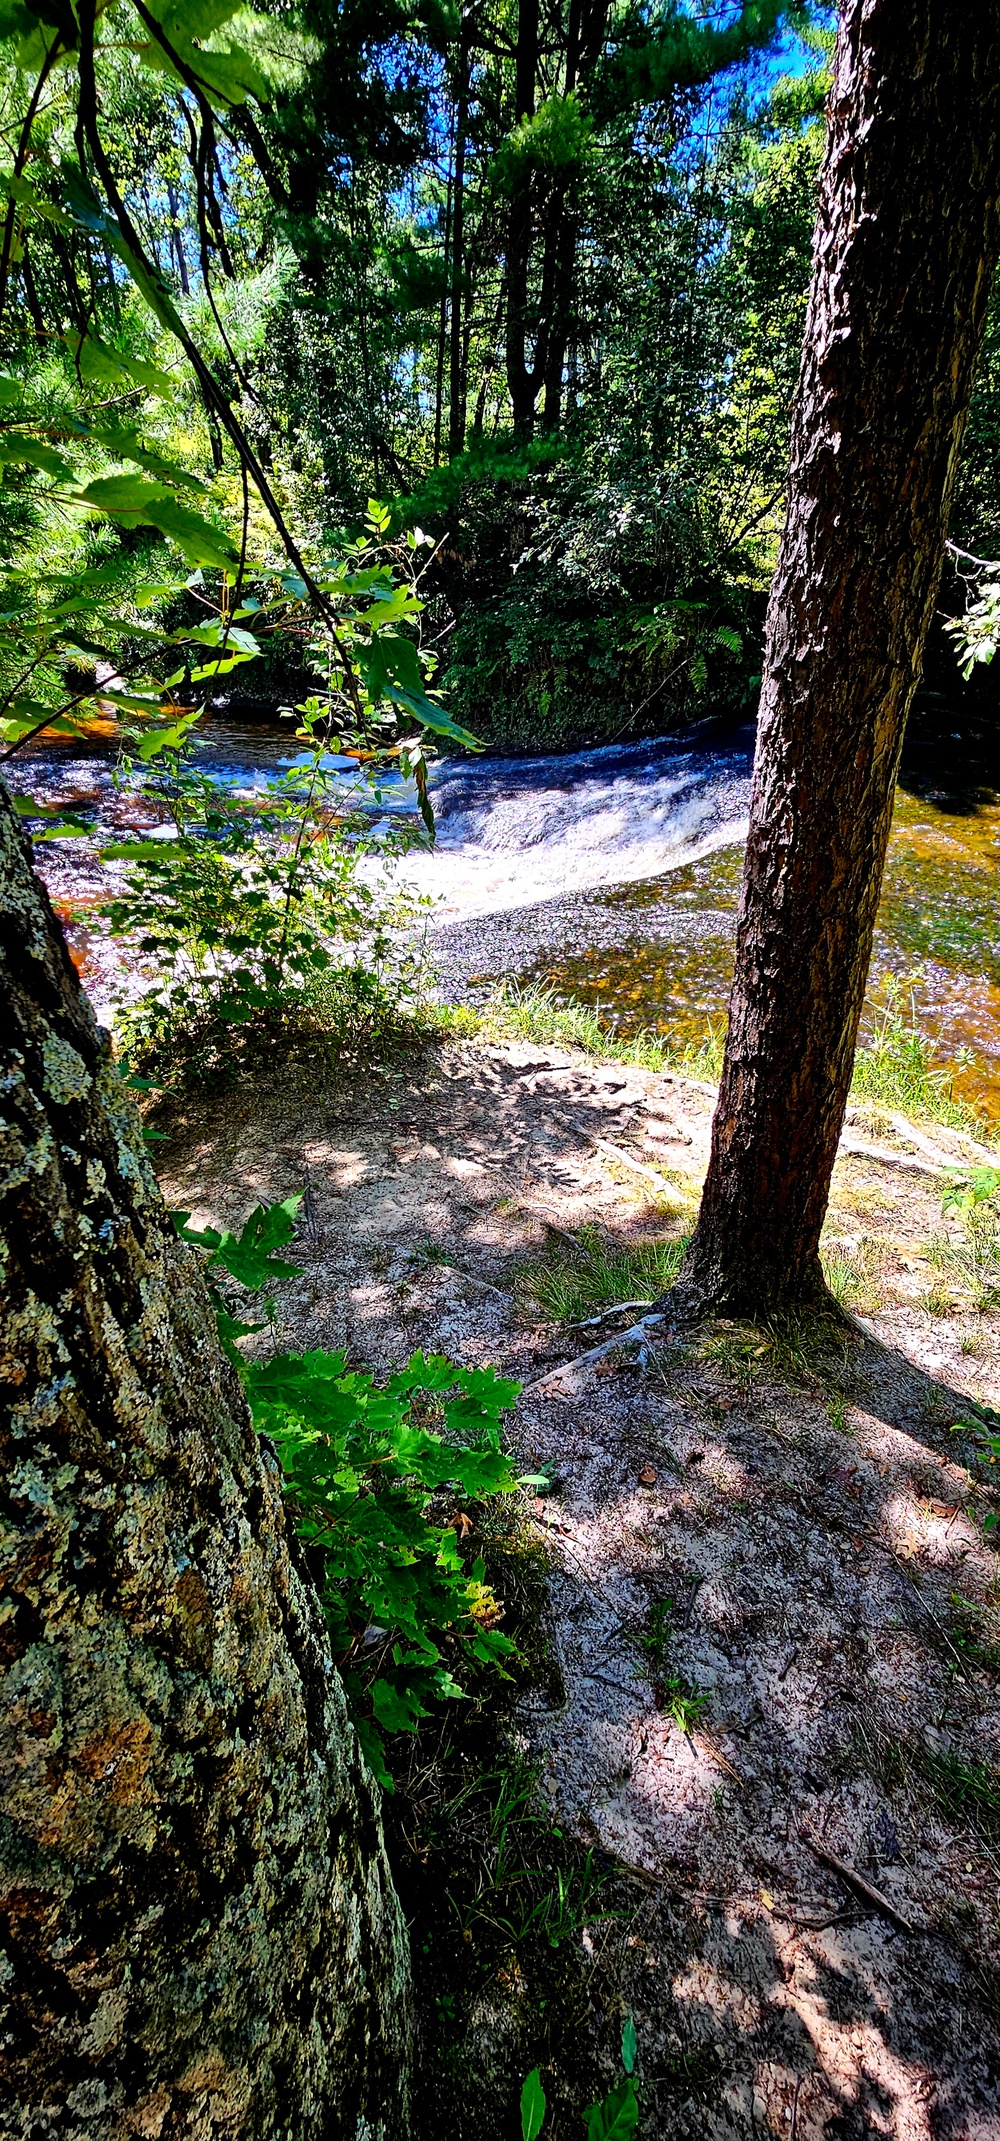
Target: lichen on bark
199 1935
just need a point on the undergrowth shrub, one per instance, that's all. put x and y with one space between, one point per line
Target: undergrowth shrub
376 1476
587 599
254 911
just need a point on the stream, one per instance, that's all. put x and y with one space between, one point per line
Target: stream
611 875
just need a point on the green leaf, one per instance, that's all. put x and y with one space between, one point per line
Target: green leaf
230 75
397 1709
616 2119
431 716
99 365
35 453
126 497
151 591
139 503
128 445
196 538
532 2106
21 190
138 850
629 2045
249 1257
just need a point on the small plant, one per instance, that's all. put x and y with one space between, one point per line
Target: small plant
372 1474
975 1200
614 2119
975 1633
246 906
656 1635
986 1435
683 1704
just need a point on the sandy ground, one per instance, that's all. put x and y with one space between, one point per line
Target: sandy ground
802 1504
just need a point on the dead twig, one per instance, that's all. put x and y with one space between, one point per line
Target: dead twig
638 1167
689 1607
618 1308
480 1286
569 1373
861 1887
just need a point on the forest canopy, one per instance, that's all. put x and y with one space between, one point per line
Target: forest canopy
533 276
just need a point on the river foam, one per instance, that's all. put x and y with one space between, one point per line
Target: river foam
512 832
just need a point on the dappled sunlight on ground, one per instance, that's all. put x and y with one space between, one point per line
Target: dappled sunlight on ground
773 1702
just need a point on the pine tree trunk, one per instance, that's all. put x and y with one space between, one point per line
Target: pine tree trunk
905 249
199 1935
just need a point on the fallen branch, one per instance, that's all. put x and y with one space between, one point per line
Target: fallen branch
861 1887
618 1308
480 1286
626 1159
586 1361
887 1158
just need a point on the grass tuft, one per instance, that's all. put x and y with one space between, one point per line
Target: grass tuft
964 1789
566 1290
895 1065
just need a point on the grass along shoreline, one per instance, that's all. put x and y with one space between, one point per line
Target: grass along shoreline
895 1066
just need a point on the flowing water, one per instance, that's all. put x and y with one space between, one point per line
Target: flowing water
613 874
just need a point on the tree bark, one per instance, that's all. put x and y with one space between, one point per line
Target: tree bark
905 248
456 373
198 1931
523 381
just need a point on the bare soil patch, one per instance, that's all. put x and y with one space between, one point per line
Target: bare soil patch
772 1703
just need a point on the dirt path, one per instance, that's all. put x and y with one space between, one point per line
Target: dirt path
775 1618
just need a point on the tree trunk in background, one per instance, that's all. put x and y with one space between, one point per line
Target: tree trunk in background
523 382
905 248
456 418
199 1935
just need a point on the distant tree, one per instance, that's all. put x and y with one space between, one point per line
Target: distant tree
198 1930
905 249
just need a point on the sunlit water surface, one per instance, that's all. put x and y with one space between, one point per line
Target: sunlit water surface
612 875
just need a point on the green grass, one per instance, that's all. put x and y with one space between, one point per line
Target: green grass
894 1067
568 1289
963 1788
535 1013
682 1703
789 1345
655 1637
852 1276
